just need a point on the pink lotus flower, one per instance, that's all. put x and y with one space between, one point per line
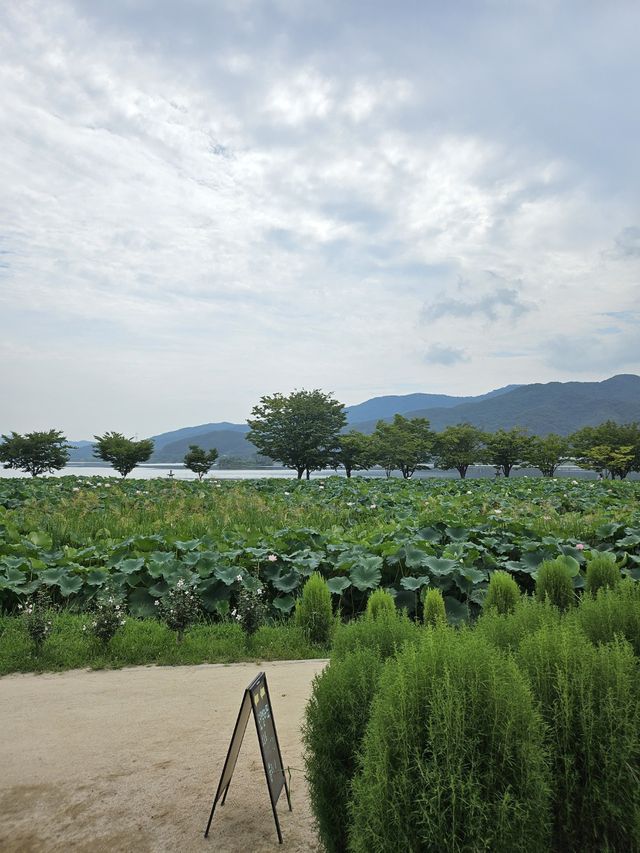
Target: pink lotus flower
272 558
579 547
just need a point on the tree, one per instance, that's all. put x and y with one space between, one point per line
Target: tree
300 431
36 452
405 443
355 452
508 448
611 448
548 452
200 461
458 447
123 453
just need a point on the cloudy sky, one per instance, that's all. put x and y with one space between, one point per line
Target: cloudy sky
204 202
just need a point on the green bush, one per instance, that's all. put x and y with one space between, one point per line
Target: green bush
503 593
555 583
313 610
380 601
589 700
453 758
335 722
507 630
386 634
434 612
611 613
602 572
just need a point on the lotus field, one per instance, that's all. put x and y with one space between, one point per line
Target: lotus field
77 538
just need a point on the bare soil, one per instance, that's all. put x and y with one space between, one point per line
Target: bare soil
130 760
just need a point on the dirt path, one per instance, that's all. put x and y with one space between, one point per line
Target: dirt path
130 759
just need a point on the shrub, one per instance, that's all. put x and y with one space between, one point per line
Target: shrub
611 613
453 758
380 601
503 593
588 698
179 608
335 722
555 584
507 630
434 613
386 634
250 611
602 572
37 618
313 610
108 617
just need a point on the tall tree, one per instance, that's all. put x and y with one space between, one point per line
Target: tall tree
122 453
36 452
459 447
200 461
508 448
299 430
612 448
355 452
405 444
548 452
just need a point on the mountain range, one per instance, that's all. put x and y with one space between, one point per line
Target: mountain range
561 407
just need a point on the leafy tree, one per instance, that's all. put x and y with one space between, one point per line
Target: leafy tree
508 448
458 447
300 430
123 453
200 461
35 452
405 443
356 452
611 448
548 452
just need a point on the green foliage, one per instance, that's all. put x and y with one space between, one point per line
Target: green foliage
107 619
335 722
36 452
405 444
612 613
379 602
250 611
200 461
434 612
602 572
36 615
313 611
179 608
503 593
453 757
459 447
355 452
122 453
300 430
547 453
508 448
590 702
386 634
554 582
610 448
506 631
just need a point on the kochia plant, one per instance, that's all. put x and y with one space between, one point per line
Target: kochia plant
602 572
434 609
555 584
379 602
503 593
313 610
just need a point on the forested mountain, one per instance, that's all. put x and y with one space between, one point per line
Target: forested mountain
561 407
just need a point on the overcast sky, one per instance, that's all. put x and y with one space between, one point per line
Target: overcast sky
204 202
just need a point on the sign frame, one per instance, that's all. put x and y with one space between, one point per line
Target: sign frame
256 701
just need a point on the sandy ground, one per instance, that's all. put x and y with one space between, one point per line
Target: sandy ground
129 760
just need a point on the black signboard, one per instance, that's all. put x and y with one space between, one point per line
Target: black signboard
255 701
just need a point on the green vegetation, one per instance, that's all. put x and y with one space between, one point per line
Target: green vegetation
379 602
503 593
313 613
602 572
200 461
123 454
36 452
434 613
554 581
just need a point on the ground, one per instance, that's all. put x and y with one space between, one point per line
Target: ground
130 759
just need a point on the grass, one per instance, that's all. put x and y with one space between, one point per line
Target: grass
145 642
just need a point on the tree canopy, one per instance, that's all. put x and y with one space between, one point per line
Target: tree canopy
405 443
508 448
122 453
459 446
36 452
356 452
200 461
299 430
611 448
548 452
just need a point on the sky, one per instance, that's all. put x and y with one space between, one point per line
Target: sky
209 201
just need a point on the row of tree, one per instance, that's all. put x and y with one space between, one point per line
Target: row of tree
305 431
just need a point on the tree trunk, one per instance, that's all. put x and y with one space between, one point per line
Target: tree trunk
308 473
300 472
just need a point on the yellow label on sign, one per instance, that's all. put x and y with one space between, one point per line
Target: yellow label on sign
256 698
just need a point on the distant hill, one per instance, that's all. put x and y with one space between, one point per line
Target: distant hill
561 407
387 407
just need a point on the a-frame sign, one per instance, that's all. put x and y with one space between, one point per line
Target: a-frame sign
255 701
